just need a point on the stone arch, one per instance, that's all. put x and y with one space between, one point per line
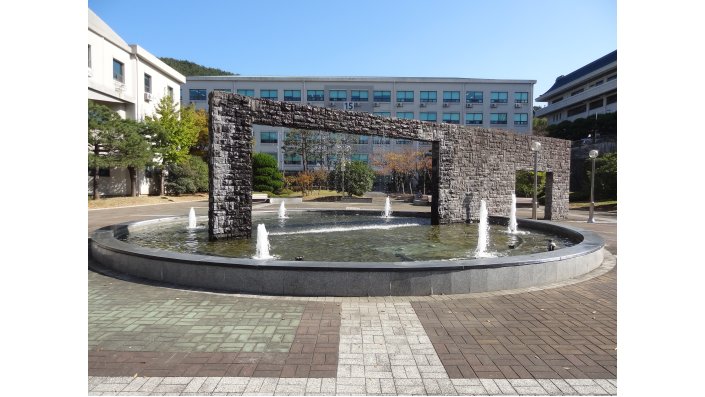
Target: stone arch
469 163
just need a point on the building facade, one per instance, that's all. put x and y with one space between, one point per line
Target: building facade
130 81
504 104
585 92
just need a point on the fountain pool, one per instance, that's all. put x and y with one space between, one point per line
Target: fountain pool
349 253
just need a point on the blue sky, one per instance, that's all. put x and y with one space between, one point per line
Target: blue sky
499 39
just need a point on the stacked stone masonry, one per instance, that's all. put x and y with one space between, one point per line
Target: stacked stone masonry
470 163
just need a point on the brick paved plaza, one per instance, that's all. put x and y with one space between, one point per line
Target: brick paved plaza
147 339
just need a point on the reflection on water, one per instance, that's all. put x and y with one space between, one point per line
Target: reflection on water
326 236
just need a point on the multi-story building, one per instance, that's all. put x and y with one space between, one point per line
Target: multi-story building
130 81
503 104
587 91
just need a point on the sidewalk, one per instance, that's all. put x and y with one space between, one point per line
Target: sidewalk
146 339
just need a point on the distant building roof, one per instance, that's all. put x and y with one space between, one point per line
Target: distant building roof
587 69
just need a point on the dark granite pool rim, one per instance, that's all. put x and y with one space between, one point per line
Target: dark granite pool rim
309 278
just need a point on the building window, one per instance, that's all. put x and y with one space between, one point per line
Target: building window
101 172
338 95
90 63
521 118
611 99
118 71
228 90
383 114
473 96
473 118
576 92
170 91
428 96
364 157
382 96
314 95
428 116
292 95
521 97
498 118
557 100
576 110
246 92
403 142
360 139
147 83
451 118
451 96
359 96
499 97
612 77
596 104
268 137
292 159
405 115
405 96
196 94
380 140
269 94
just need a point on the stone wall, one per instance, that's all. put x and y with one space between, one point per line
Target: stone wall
472 163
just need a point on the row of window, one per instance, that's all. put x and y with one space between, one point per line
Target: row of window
450 118
199 94
119 75
295 159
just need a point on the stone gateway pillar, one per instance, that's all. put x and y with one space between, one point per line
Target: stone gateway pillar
469 163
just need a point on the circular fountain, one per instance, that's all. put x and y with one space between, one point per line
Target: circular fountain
350 253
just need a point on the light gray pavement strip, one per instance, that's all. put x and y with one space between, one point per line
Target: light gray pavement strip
383 347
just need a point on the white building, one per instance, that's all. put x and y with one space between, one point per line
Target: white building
129 80
504 104
587 91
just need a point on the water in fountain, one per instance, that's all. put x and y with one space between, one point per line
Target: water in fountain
483 233
387 208
192 219
513 216
262 243
282 211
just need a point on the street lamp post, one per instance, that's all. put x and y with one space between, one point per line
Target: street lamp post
535 147
593 155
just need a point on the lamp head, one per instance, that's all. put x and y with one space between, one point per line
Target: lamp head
593 153
535 146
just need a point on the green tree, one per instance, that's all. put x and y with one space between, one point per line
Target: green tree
133 150
305 143
357 178
265 175
524 186
188 68
115 142
605 176
172 133
200 148
102 141
190 176
539 126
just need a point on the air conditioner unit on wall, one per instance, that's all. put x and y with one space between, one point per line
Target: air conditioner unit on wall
376 105
399 105
468 105
423 105
147 96
445 105
494 105
517 105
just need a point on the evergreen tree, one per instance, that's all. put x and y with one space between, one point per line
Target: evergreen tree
172 133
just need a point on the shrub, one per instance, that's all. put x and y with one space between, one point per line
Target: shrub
265 175
605 176
188 177
358 178
524 186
